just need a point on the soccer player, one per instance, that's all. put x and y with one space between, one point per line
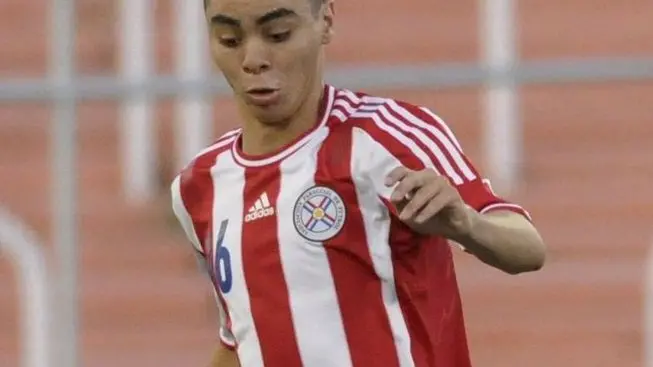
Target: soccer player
324 220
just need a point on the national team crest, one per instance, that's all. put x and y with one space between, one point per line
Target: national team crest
319 214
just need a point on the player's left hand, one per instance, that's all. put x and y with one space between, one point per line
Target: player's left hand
429 204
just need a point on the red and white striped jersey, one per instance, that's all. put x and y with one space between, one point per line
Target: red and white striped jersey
310 264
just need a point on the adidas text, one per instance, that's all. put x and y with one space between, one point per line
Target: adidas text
261 213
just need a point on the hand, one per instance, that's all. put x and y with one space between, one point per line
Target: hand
429 204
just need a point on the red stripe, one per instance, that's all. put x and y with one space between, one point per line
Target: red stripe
268 291
421 267
358 288
196 191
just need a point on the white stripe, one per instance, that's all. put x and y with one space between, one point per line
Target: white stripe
293 148
316 316
182 214
351 96
441 137
499 206
345 105
229 186
258 205
264 200
407 142
376 219
444 127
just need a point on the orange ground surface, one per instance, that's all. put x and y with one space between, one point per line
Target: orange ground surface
588 167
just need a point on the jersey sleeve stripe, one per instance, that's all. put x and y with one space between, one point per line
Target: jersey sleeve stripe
379 123
439 144
344 104
182 214
351 97
451 146
443 125
438 154
507 207
413 138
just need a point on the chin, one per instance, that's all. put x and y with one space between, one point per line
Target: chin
272 116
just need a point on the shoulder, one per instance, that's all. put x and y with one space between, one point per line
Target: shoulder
411 133
204 160
387 119
191 182
369 112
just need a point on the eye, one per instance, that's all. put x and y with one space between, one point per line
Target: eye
229 42
278 37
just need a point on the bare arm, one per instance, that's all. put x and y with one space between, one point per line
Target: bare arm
224 357
429 204
506 241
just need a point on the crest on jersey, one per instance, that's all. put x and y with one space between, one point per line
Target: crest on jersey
319 214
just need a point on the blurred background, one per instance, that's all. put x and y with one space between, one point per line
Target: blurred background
576 149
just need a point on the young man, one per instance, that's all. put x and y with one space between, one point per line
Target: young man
324 220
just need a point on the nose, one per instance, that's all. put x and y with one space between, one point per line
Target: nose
256 60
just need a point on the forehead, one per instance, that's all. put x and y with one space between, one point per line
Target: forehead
242 9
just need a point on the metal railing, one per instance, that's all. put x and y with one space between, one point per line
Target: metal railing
498 71
647 312
25 252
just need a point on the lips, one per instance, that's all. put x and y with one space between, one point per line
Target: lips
263 96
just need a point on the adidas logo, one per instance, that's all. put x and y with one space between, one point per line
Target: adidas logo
260 209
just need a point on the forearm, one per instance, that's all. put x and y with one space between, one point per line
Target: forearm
506 241
223 357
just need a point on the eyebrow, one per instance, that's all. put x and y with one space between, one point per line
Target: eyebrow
265 18
275 14
223 19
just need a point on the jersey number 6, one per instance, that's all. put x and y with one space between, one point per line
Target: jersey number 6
223 261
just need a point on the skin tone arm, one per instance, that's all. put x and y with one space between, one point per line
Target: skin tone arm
504 240
223 357
430 205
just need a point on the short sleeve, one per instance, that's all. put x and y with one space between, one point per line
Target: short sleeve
405 135
182 214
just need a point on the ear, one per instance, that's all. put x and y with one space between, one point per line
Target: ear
328 14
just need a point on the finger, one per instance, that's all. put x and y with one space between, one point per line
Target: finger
421 198
406 187
396 175
434 207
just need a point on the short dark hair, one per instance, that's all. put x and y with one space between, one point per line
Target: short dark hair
315 4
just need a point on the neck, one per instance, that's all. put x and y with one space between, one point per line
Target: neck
260 139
